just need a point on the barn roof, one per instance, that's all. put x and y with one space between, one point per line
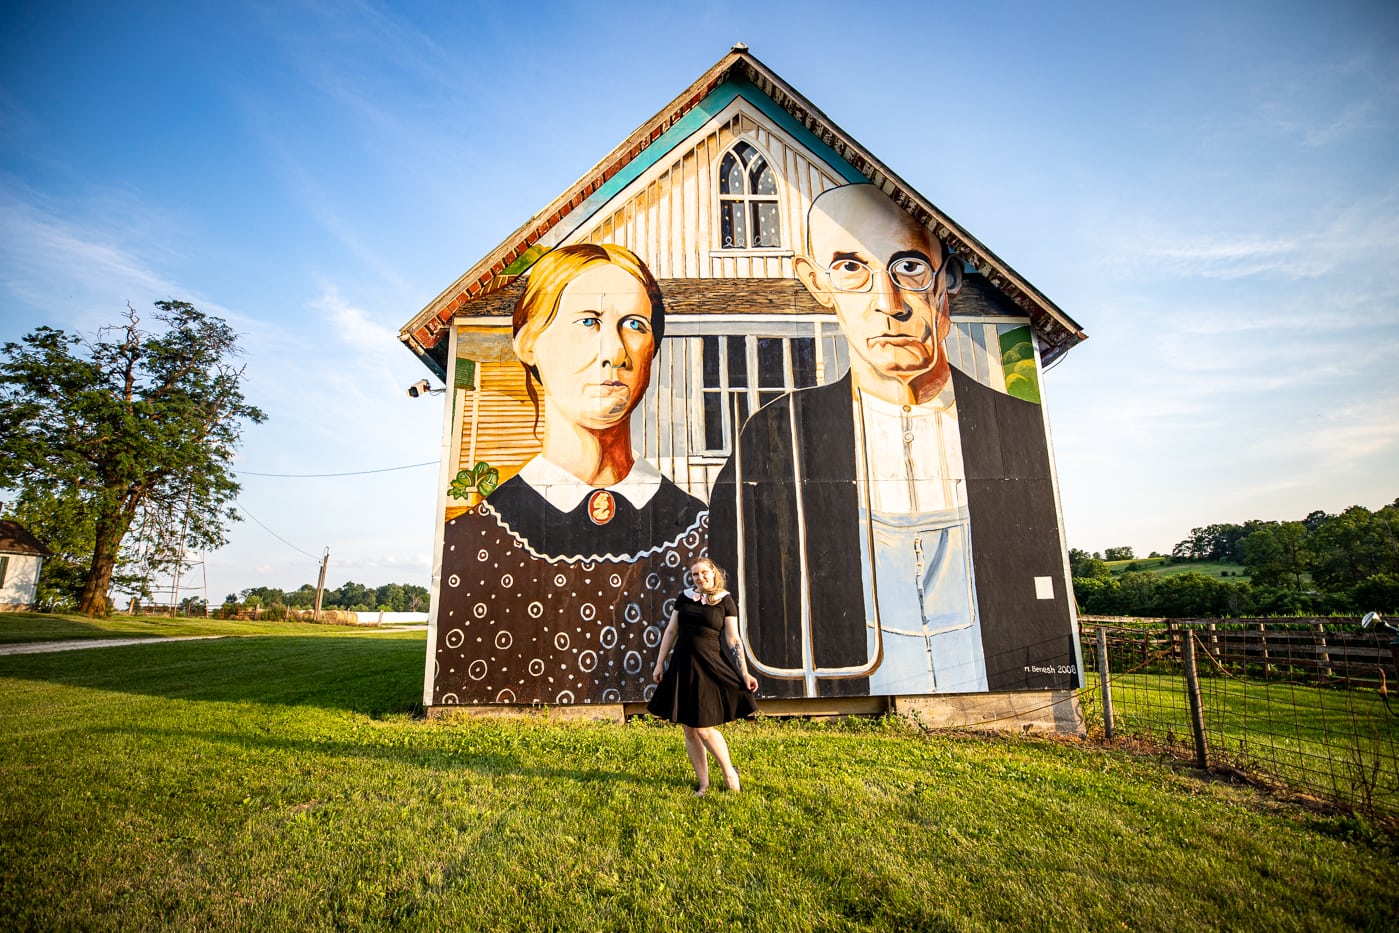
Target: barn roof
16 539
485 288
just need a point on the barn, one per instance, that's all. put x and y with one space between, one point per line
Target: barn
741 335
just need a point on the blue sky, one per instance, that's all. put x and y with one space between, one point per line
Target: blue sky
1211 190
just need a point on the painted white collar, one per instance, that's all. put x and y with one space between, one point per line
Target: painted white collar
945 400
564 491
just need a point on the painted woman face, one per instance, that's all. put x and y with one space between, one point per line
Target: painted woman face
594 358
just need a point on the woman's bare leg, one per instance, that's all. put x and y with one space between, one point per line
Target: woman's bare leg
694 747
714 741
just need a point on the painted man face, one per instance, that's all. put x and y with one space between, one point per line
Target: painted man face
594 358
879 271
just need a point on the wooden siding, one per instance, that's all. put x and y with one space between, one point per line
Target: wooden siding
495 421
671 221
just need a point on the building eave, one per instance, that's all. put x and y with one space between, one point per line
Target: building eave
424 334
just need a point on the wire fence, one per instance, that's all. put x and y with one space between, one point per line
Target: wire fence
1301 703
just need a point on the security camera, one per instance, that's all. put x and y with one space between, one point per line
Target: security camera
421 387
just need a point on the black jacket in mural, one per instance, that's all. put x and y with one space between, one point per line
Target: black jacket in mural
1028 642
670 513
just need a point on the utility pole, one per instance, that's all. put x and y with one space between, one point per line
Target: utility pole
320 585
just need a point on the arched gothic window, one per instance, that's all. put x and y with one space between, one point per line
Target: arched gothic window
748 200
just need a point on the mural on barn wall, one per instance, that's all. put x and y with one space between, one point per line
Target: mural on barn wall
897 528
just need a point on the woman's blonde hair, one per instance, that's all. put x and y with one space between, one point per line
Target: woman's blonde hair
721 579
552 273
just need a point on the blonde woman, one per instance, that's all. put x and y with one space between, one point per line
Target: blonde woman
707 682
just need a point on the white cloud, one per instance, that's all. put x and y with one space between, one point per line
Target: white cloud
352 324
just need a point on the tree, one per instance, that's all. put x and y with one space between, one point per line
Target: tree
133 423
1118 553
1083 564
1277 555
1355 545
1212 542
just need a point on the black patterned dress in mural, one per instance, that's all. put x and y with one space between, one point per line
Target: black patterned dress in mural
700 687
521 623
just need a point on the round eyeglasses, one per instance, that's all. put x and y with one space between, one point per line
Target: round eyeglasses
908 273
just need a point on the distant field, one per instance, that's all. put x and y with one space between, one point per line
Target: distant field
285 782
1158 566
29 627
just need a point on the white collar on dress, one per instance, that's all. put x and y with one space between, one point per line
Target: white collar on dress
564 491
696 596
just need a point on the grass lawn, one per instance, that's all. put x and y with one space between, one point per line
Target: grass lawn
30 627
1158 566
1338 743
283 782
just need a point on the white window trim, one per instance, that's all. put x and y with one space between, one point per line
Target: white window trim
783 221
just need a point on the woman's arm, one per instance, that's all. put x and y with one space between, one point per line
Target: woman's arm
672 629
731 639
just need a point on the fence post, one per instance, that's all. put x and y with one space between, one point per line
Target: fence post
1324 651
1105 682
1263 644
1192 684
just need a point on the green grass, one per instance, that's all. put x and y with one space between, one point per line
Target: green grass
1159 567
30 627
283 782
1334 742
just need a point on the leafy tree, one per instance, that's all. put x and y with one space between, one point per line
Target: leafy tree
1200 596
1137 593
1355 545
1083 564
1378 592
1212 542
131 423
1096 595
303 597
264 596
1118 553
351 596
1277 554
390 597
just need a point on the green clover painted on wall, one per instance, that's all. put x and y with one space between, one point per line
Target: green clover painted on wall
482 478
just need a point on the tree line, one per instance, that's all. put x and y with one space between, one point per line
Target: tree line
1325 563
351 596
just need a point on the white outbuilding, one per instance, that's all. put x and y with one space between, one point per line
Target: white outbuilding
21 557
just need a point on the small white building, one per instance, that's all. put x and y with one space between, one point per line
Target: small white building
21 557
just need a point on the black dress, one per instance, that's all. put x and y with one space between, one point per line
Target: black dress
701 688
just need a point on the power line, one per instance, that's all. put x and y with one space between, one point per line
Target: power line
410 466
273 533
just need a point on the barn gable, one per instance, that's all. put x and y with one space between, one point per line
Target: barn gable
657 193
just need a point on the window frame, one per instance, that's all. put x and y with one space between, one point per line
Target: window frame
747 199
829 362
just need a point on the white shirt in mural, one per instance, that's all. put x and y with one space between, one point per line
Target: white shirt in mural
564 491
919 587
